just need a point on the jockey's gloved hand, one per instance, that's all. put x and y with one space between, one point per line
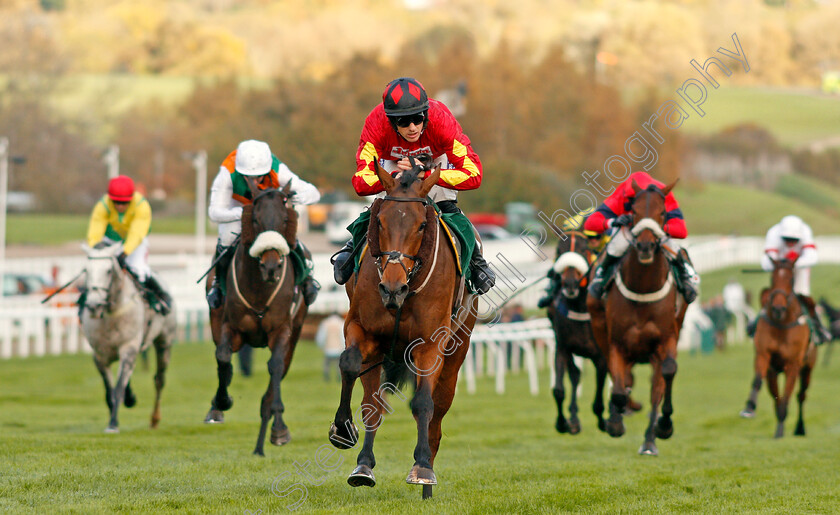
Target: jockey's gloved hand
622 220
121 259
792 256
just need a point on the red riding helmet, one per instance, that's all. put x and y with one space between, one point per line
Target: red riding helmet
404 96
121 189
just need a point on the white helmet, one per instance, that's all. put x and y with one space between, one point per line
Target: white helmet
253 158
791 227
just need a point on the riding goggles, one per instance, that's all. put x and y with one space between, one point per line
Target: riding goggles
405 121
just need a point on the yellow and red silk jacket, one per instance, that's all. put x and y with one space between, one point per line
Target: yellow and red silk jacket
443 135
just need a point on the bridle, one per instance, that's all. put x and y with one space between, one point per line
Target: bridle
113 289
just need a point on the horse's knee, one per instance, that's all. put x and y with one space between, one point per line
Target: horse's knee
559 394
422 403
669 368
350 362
223 353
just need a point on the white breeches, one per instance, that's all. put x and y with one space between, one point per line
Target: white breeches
137 261
228 232
802 281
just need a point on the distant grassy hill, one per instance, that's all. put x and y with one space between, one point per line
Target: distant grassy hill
725 208
794 117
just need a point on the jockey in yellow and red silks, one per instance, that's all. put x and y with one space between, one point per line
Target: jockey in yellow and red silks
614 214
409 124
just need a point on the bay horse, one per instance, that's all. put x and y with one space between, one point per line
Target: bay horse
782 344
262 308
118 325
640 318
573 331
401 316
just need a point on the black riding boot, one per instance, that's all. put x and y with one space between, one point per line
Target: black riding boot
751 327
164 304
310 285
342 262
822 334
482 278
215 295
602 273
688 276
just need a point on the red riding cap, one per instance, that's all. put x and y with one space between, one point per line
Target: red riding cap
121 189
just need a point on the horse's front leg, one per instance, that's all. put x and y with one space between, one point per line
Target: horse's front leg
762 362
618 400
574 380
372 407
128 356
163 352
804 382
222 401
343 433
791 374
664 425
560 359
107 379
600 380
657 388
278 366
427 359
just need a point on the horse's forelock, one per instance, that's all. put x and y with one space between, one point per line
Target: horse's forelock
409 177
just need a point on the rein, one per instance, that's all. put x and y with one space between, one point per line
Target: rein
800 320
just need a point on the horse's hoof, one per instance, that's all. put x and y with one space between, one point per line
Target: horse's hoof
633 406
615 429
281 437
154 423
112 430
561 425
343 441
362 475
129 402
574 427
800 429
747 413
214 416
421 476
648 449
602 425
780 432
259 452
664 431
223 403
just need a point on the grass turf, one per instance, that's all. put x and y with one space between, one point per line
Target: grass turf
499 453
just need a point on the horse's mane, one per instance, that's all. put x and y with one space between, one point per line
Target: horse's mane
289 232
246 235
409 177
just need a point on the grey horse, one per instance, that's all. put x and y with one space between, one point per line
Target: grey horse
118 325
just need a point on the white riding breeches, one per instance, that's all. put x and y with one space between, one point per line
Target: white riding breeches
621 240
802 281
228 232
137 261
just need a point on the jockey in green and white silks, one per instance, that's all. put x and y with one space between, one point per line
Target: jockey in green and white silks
230 193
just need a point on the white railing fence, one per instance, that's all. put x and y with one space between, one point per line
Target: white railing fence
29 328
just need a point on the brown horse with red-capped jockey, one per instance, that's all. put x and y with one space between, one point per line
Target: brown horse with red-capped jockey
639 318
402 301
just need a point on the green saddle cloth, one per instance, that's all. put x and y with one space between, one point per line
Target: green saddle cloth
458 225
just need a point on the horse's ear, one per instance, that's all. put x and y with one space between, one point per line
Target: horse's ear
287 189
636 188
667 189
251 181
430 181
385 178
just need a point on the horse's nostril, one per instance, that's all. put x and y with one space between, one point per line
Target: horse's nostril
403 290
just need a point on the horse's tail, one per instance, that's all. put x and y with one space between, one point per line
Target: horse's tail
396 372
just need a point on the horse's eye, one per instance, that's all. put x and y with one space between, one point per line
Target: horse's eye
422 226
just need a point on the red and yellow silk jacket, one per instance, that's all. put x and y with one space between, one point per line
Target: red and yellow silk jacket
443 135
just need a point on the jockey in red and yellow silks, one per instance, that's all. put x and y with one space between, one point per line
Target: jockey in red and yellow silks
442 138
408 124
615 214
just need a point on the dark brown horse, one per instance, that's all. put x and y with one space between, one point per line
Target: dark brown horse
782 344
573 331
401 315
263 308
640 319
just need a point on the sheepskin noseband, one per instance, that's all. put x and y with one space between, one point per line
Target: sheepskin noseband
269 240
